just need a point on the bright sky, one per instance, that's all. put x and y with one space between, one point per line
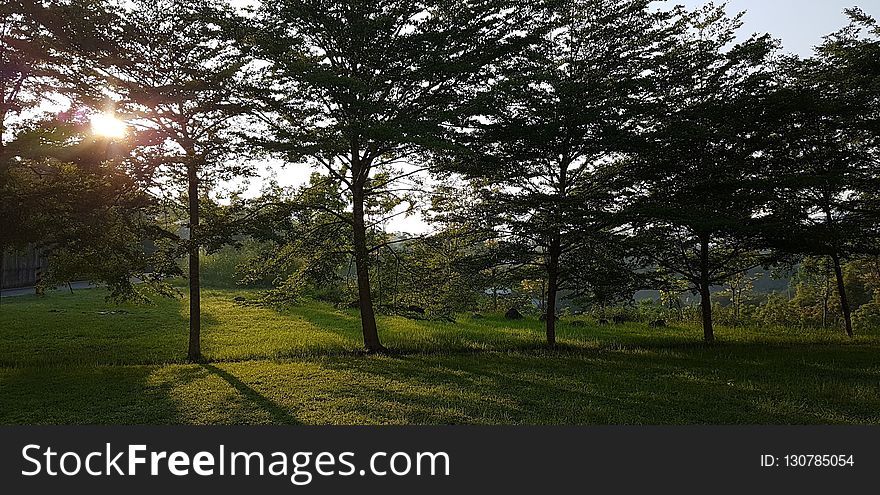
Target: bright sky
800 24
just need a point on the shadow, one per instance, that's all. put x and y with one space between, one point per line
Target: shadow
345 323
85 396
699 386
613 387
489 371
279 414
405 336
208 318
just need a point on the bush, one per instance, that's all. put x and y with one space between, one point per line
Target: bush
227 267
866 319
777 311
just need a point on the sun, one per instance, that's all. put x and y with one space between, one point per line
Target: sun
107 125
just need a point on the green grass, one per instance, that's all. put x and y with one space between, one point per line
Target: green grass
63 361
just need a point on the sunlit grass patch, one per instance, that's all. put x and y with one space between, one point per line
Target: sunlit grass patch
78 359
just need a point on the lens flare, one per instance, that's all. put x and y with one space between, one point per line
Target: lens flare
107 125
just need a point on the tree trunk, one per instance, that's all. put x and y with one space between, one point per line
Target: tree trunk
378 279
362 265
195 304
2 271
825 310
841 290
735 302
543 296
555 251
736 311
396 282
705 294
552 289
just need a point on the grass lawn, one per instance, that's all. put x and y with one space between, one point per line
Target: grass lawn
78 359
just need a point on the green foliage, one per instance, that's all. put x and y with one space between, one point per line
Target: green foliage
76 204
605 146
307 238
174 77
812 302
604 271
42 43
698 169
866 319
365 91
779 311
230 267
824 180
549 136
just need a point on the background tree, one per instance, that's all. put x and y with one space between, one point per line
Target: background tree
815 282
39 43
61 192
309 237
555 124
738 288
699 183
361 89
465 212
825 202
605 272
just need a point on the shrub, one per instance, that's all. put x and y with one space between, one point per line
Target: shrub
867 318
227 267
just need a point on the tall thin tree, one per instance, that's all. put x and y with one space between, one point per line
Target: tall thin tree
552 132
698 177
175 79
826 178
363 89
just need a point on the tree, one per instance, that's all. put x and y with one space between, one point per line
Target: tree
174 76
39 41
75 206
605 271
464 213
826 180
309 242
59 192
698 178
815 280
553 130
362 89
868 269
670 293
738 288
94 218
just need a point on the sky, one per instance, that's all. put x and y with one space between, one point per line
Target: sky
799 24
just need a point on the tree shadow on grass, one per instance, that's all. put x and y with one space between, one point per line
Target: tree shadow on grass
343 323
773 386
85 396
279 414
495 389
405 336
610 388
410 337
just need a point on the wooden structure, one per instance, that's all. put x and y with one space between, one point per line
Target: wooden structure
22 268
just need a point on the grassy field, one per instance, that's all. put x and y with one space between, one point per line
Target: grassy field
77 359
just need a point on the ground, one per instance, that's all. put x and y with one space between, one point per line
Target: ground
77 359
